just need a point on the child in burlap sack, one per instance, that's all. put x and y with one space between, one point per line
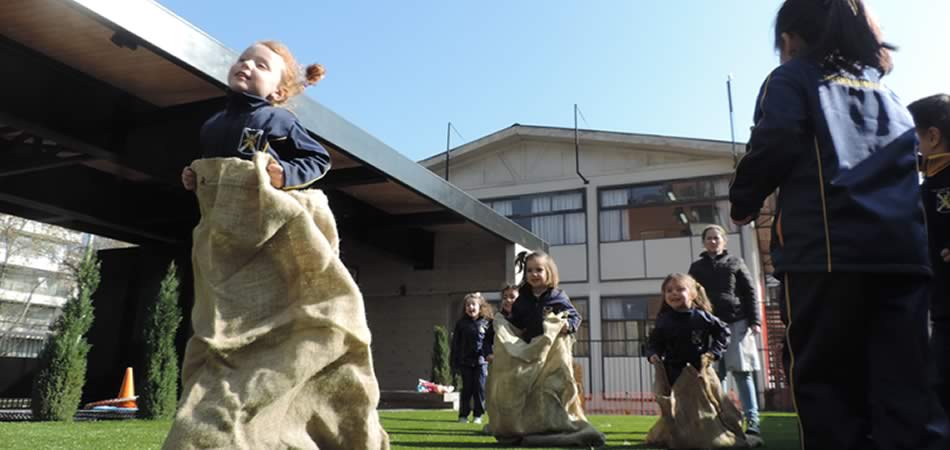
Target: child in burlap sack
280 356
686 340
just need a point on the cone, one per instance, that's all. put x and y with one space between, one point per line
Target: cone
127 391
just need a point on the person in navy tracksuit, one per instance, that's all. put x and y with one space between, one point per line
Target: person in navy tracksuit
849 233
265 77
472 350
932 123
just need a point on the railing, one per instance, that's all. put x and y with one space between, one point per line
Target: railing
618 379
21 345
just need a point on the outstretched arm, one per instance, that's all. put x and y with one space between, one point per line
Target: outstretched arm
775 145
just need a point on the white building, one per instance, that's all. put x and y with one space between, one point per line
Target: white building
636 218
35 280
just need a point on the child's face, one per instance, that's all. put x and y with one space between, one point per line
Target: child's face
537 273
678 295
508 299
714 242
471 308
258 72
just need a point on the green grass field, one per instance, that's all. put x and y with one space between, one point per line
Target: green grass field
407 430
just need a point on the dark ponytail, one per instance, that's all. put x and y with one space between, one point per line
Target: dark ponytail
839 34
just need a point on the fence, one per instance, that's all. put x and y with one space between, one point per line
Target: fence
21 345
618 379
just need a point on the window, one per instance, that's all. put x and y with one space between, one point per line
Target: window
558 219
663 210
582 346
37 281
627 322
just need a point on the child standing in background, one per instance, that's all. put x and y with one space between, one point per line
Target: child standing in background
932 119
509 294
471 351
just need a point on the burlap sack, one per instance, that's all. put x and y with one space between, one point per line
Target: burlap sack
280 356
694 414
531 394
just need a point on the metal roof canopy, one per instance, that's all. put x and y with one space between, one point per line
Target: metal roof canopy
101 108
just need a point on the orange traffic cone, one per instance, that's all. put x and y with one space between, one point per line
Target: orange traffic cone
126 397
127 391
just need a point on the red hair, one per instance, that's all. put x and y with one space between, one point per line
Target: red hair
294 80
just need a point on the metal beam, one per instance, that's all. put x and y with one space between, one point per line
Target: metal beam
21 163
352 176
402 221
89 223
165 33
115 207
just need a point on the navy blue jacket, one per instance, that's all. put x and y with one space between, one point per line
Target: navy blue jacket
728 285
251 124
528 311
682 337
936 195
472 341
841 150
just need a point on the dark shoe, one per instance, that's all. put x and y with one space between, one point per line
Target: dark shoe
753 440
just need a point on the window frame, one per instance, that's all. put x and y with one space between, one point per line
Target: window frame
644 327
514 217
668 203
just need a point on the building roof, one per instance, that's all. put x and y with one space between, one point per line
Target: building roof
101 111
682 145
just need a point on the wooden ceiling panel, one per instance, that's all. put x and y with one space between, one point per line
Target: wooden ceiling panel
392 198
67 35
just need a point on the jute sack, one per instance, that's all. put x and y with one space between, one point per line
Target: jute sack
280 356
532 397
694 413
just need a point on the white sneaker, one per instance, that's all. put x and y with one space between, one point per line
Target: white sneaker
478 420
463 419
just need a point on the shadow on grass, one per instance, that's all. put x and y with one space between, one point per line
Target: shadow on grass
436 432
390 416
446 445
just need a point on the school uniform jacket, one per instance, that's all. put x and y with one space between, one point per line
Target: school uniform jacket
250 124
841 150
681 337
472 342
528 311
936 196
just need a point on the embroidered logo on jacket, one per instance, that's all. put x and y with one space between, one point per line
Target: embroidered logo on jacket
697 337
252 141
943 200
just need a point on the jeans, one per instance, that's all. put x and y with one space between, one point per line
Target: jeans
745 387
473 390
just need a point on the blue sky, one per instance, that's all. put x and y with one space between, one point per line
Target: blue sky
402 70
